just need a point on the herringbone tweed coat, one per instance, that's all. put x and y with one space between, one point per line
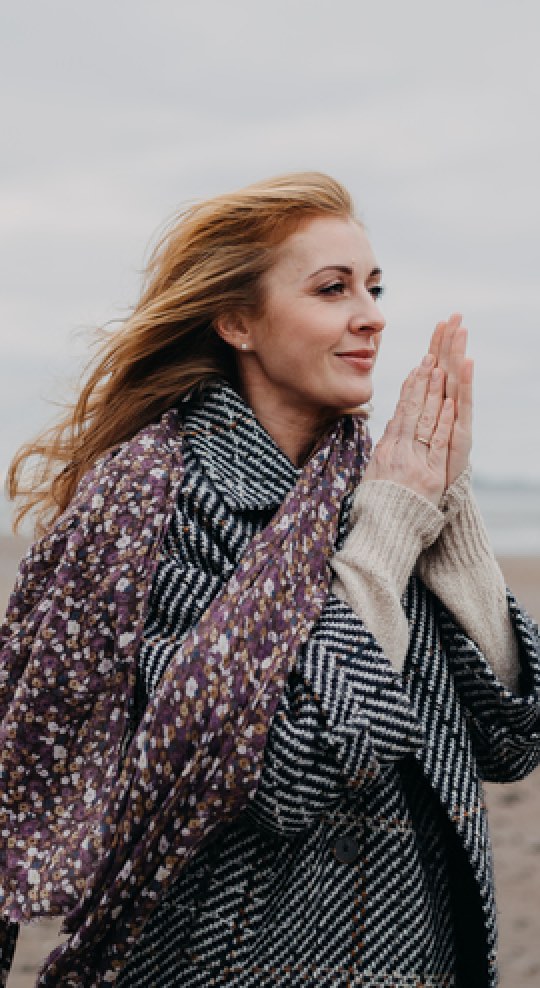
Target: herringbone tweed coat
364 858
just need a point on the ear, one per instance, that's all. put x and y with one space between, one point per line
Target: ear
232 328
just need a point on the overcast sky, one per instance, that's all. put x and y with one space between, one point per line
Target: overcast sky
117 113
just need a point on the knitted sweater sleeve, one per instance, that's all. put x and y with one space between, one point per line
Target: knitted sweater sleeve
395 529
462 571
390 526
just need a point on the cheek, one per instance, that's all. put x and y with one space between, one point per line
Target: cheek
294 340
293 357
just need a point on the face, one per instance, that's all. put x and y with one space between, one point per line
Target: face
313 349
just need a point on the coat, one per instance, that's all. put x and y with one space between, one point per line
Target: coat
370 793
364 856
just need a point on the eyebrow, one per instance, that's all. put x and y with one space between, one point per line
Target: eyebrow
345 269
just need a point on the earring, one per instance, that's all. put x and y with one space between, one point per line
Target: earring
244 346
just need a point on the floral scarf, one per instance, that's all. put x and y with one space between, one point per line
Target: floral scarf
97 815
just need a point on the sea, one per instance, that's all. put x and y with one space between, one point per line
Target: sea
511 512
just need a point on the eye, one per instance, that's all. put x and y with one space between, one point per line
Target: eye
376 291
335 288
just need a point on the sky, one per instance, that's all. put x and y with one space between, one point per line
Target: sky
118 113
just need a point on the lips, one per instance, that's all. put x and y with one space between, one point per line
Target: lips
361 360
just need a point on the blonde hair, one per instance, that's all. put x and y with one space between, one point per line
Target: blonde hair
210 262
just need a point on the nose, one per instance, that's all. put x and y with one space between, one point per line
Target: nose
367 315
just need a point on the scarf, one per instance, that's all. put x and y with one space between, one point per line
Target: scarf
98 817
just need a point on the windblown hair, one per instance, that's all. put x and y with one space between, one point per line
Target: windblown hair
210 262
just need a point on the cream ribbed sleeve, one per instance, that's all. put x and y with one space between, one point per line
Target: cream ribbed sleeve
390 525
461 569
392 530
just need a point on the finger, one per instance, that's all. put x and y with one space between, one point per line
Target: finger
406 390
407 384
455 361
432 405
464 413
446 341
436 339
393 426
414 400
440 441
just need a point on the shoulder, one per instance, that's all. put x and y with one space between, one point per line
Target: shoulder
118 511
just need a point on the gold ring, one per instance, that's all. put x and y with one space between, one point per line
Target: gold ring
425 442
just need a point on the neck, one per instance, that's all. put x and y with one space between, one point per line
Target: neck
296 431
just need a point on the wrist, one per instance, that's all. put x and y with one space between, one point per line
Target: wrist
427 492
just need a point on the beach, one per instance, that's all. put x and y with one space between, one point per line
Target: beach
514 817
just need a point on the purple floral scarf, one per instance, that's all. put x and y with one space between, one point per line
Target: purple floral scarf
87 829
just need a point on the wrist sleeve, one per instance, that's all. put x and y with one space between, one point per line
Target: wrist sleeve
461 569
390 525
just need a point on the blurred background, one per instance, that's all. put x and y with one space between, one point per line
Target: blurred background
117 114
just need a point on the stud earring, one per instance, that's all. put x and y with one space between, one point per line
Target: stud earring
244 346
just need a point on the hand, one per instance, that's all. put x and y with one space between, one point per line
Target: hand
421 411
448 345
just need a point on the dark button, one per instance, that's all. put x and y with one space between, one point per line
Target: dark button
346 849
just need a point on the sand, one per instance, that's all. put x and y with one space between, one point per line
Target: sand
514 812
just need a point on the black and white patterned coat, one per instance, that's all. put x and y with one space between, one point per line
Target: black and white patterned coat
364 858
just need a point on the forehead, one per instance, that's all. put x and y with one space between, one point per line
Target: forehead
326 240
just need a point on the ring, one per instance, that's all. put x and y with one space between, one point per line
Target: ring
425 442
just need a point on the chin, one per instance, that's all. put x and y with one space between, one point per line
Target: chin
357 400
358 406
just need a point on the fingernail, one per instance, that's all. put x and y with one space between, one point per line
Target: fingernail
428 360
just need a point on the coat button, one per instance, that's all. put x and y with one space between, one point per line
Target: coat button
346 849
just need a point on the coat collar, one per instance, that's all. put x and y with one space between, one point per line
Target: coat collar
240 458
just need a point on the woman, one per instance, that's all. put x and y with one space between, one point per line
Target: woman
251 678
